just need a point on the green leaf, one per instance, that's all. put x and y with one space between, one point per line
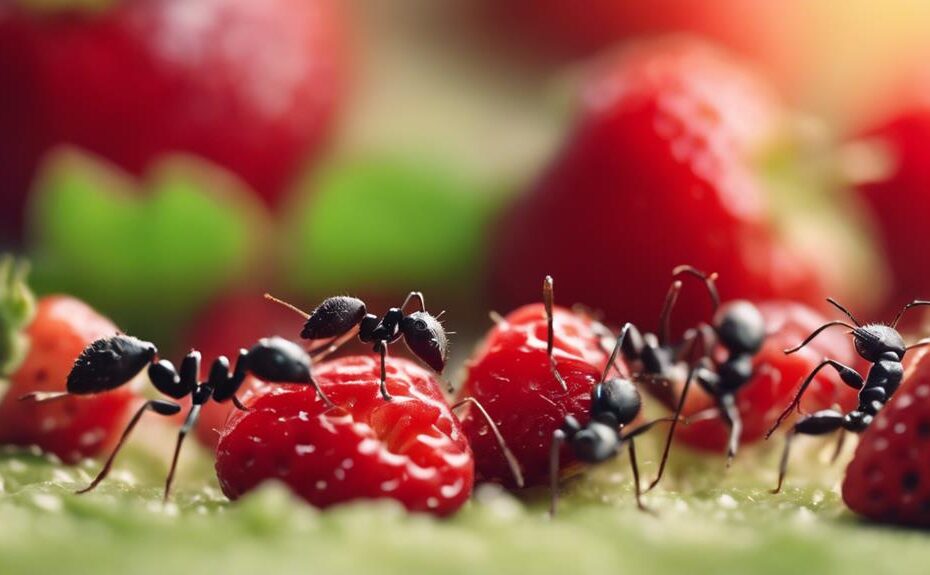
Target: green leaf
147 253
17 308
387 225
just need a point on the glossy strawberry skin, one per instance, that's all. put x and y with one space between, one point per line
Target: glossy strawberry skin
656 172
888 479
231 323
410 449
898 200
778 376
511 377
72 428
251 86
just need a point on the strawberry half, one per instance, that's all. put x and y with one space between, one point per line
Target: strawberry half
888 479
74 427
510 374
410 449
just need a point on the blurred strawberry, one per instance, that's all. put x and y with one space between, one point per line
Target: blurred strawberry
252 86
658 171
233 322
898 196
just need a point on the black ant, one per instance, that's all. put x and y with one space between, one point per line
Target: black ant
879 344
738 327
339 318
615 403
111 362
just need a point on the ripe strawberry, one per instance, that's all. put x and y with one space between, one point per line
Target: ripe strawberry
252 86
510 375
888 479
233 322
410 449
777 377
657 171
74 427
898 199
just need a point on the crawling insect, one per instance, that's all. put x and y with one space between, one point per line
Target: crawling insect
111 362
615 403
339 318
879 344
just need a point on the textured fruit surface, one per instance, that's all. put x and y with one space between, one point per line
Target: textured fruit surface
510 375
778 376
74 427
410 449
252 86
657 171
888 479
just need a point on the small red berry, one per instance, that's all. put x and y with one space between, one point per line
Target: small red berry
75 427
410 449
510 375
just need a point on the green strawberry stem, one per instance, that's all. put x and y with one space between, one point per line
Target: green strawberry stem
52 6
17 308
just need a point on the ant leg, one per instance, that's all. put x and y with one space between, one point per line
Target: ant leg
548 298
44 396
322 351
238 403
735 421
558 438
671 431
192 416
840 442
508 455
414 296
158 406
818 423
665 317
635 467
382 349
849 376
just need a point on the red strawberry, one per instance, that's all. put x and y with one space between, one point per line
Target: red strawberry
888 479
233 322
510 375
899 199
249 85
74 427
658 171
778 377
410 449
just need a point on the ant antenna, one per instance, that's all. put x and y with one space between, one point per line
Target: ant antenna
508 455
548 298
710 281
921 343
817 332
616 350
915 303
289 306
666 316
849 314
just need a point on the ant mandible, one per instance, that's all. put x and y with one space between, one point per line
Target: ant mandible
615 403
111 362
879 344
339 318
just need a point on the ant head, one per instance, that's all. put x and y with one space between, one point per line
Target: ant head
740 327
109 363
334 317
426 338
875 340
596 442
277 360
615 402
